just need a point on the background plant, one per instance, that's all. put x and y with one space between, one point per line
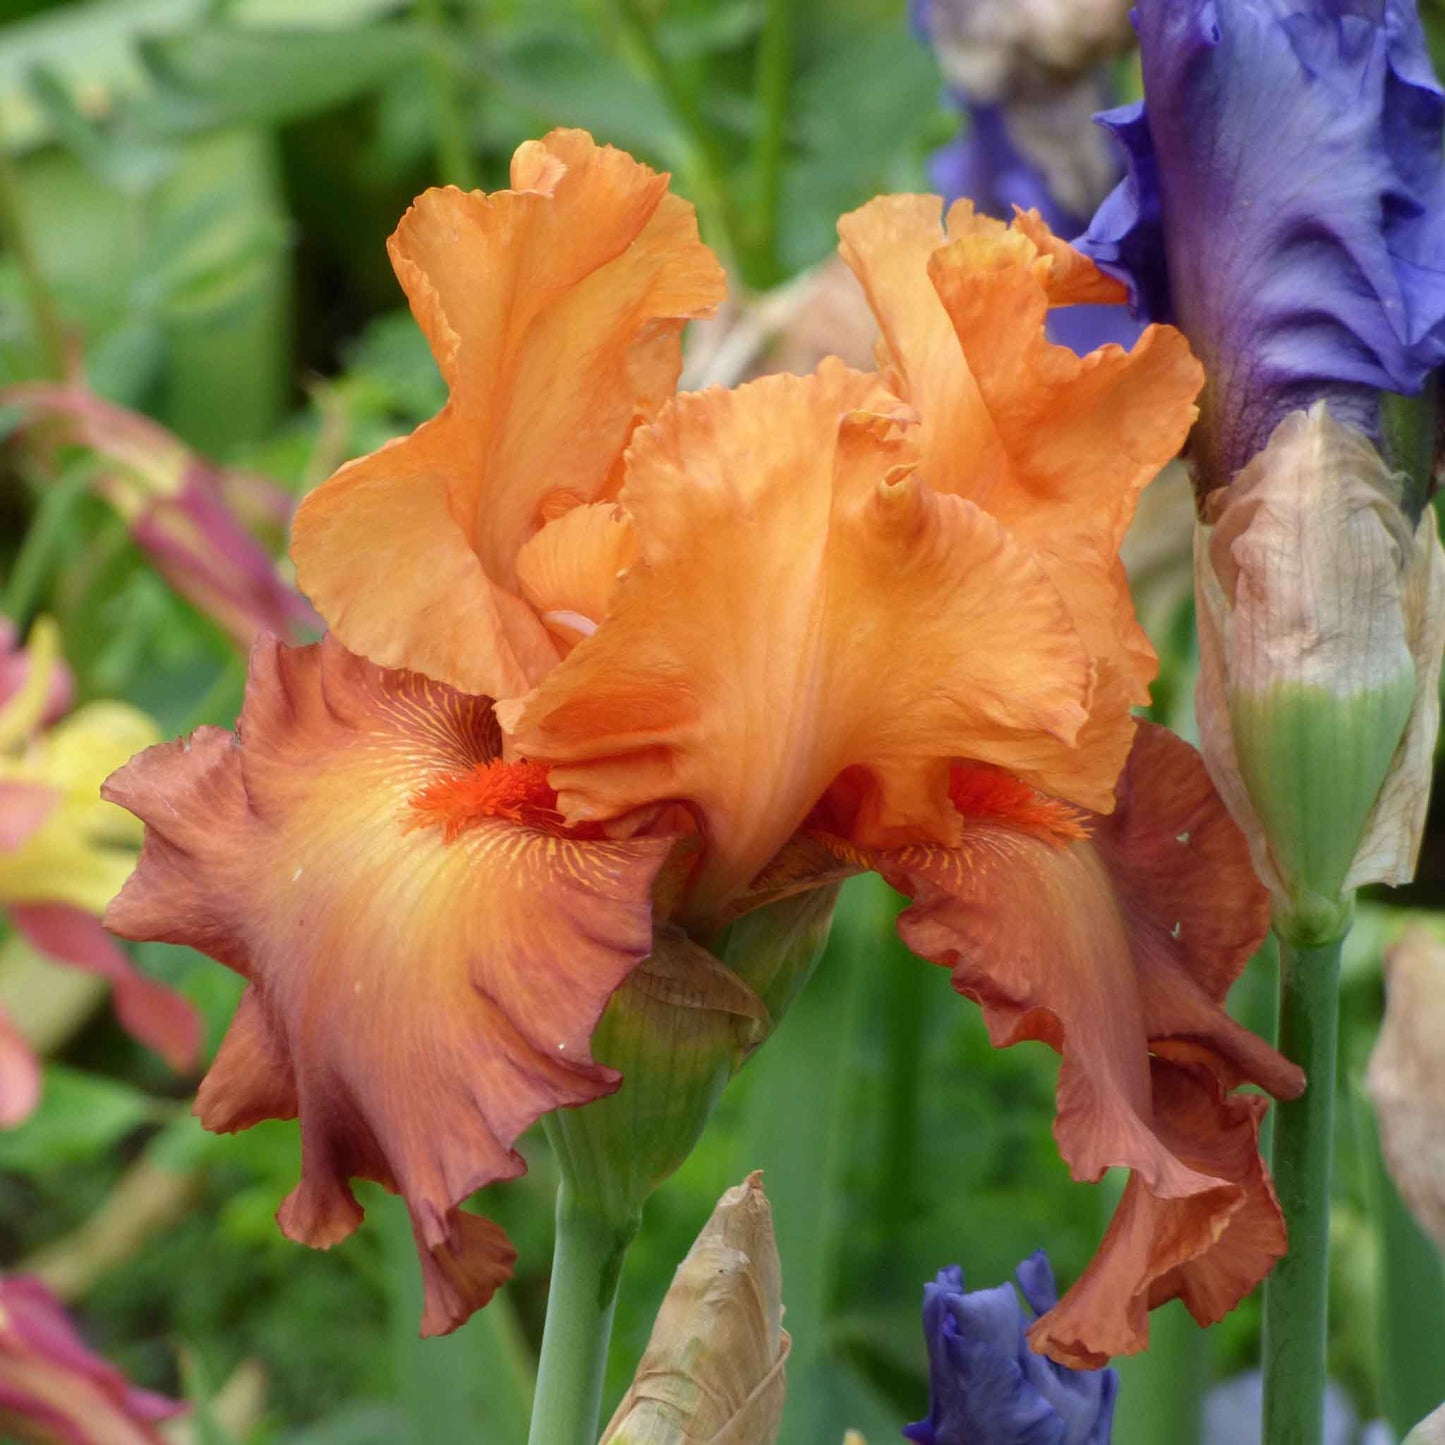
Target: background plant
194 198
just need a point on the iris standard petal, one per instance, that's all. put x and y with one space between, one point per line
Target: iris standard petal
1056 446
555 312
802 604
425 971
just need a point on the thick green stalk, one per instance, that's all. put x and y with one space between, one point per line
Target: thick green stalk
1297 1293
586 1267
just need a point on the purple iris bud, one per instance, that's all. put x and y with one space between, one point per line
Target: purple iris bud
1285 206
987 1384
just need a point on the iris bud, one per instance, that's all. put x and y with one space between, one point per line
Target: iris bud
1321 620
676 1031
986 1383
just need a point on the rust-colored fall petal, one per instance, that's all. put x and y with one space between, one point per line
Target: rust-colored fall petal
1208 1248
555 311
803 604
1118 951
419 994
1057 447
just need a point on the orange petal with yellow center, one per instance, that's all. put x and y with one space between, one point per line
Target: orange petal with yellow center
1056 446
1118 952
801 604
555 311
419 994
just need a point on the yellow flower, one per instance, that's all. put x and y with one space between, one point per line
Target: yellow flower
64 853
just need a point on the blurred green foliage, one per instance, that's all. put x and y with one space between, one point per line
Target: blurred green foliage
206 189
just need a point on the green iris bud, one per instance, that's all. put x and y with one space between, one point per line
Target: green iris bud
1322 622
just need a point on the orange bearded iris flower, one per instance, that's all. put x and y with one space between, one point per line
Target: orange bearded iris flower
604 660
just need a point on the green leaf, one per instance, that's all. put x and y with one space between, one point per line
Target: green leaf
1412 1335
80 1116
235 75
799 1122
475 1384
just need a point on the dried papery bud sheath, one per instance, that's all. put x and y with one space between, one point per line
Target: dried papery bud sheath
1321 619
1406 1079
676 1031
1430 1430
713 1371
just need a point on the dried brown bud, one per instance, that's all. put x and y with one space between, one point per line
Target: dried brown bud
713 1370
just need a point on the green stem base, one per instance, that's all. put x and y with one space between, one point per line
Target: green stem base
1296 1295
586 1269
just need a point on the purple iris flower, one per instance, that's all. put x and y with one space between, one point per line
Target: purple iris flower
1285 206
988 1385
1025 141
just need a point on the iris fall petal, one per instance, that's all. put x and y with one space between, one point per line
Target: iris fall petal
419 994
1118 951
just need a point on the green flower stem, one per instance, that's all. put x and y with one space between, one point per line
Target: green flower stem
1297 1293
586 1267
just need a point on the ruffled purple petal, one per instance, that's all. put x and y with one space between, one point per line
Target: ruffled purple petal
986 165
1284 205
986 1384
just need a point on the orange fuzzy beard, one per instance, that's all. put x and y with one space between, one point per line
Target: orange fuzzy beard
517 792
983 793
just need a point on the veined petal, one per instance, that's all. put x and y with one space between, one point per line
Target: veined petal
1056 446
569 570
555 312
802 604
1285 204
420 994
1118 952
